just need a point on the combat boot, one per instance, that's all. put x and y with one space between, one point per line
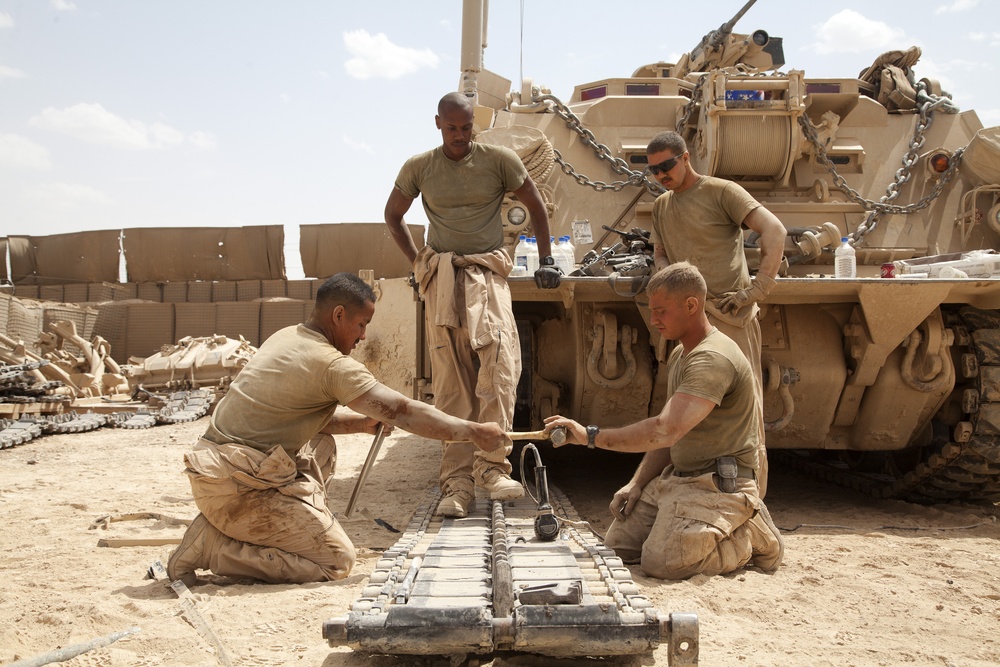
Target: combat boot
499 486
191 554
765 539
457 503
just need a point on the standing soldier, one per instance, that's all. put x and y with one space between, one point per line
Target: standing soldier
471 332
699 220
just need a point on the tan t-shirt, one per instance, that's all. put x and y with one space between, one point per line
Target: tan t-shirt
287 392
462 199
716 370
702 225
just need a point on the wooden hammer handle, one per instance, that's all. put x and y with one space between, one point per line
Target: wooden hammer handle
557 436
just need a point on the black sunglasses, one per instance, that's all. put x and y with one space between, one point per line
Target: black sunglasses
665 166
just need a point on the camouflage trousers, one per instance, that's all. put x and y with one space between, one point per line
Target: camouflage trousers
475 384
268 512
683 526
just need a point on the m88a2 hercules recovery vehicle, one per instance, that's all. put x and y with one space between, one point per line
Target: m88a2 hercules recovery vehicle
891 385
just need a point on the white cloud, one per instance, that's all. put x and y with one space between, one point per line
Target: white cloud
374 56
6 20
95 124
358 145
849 32
17 152
957 6
993 37
63 6
203 140
11 73
67 195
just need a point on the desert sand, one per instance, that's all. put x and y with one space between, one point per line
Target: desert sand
864 582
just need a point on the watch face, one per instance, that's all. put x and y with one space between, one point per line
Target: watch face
548 261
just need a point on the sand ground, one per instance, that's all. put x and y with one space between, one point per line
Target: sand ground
865 583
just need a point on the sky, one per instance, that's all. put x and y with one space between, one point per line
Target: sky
217 113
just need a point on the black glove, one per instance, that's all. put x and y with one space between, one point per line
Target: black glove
547 277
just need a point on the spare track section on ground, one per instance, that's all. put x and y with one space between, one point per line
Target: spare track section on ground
486 583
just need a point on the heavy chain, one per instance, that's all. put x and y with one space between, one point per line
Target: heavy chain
691 105
618 165
884 205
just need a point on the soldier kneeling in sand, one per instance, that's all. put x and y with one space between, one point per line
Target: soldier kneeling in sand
260 471
692 506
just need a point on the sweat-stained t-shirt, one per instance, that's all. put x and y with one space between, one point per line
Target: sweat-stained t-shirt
716 370
702 225
287 392
462 199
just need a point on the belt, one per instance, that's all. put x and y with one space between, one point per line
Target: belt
741 471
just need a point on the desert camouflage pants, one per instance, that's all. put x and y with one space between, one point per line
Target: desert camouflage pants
683 526
268 513
478 385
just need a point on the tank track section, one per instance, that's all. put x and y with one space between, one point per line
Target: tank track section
17 432
486 583
72 422
17 386
141 418
180 407
185 406
963 463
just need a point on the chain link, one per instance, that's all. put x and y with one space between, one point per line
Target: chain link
902 176
691 105
618 165
884 205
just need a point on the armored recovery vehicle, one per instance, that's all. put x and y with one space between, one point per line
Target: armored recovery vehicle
889 385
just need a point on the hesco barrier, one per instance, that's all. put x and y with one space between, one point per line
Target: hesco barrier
64 277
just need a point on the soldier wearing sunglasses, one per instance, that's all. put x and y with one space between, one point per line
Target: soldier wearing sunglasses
700 219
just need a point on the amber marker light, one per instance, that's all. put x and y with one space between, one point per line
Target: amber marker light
939 162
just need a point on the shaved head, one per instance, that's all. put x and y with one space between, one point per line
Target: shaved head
453 101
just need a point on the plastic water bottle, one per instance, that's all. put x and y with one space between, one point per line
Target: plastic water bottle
532 255
845 262
521 253
570 250
558 255
564 256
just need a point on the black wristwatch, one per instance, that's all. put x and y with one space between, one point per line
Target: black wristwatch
592 432
547 261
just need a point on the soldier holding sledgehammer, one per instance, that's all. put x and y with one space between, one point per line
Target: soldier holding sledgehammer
692 506
259 473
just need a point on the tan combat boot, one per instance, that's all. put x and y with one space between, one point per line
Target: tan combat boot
765 538
499 485
457 503
191 554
